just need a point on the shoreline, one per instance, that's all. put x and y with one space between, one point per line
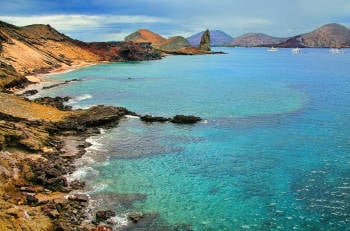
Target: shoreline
38 78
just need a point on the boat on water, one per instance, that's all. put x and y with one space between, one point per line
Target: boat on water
273 49
296 50
336 51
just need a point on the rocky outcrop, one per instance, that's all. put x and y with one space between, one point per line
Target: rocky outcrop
204 45
255 40
183 119
178 119
123 51
57 102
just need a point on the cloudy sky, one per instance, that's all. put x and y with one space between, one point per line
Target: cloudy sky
107 20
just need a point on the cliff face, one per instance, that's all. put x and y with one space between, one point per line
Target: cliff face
40 48
37 48
255 39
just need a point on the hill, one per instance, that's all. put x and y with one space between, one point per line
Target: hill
217 37
174 43
144 35
329 35
254 40
40 48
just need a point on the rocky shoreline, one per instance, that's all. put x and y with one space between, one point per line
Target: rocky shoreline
37 155
41 139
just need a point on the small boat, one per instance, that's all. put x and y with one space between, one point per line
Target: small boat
273 49
336 51
296 50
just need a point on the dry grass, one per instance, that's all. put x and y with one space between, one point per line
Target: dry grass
20 108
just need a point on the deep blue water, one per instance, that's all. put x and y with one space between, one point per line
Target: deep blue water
273 152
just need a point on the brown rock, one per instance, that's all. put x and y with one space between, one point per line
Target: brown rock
205 41
104 215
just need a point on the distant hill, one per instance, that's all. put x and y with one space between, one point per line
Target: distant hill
174 43
159 42
330 35
254 40
144 35
217 38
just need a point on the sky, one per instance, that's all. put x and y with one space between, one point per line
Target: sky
112 20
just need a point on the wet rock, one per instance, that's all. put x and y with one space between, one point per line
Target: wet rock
95 116
79 197
135 217
30 92
149 118
102 228
59 84
205 41
183 119
104 215
76 184
57 102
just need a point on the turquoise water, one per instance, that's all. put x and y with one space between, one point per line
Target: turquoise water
273 152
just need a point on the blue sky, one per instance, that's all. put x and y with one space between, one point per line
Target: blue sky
106 20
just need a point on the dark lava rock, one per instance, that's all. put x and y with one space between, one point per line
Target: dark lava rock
31 200
93 117
183 119
149 118
79 197
30 92
104 215
57 102
135 217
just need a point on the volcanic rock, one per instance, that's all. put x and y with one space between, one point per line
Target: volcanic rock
183 119
149 118
104 215
204 45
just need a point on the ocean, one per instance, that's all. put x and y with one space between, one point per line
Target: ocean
272 151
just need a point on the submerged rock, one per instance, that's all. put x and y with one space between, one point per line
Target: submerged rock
104 215
135 217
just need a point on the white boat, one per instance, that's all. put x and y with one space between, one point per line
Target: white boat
273 49
336 51
296 50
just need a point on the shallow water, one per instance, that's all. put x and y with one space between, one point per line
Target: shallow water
272 154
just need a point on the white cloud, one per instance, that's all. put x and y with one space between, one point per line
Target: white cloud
78 21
